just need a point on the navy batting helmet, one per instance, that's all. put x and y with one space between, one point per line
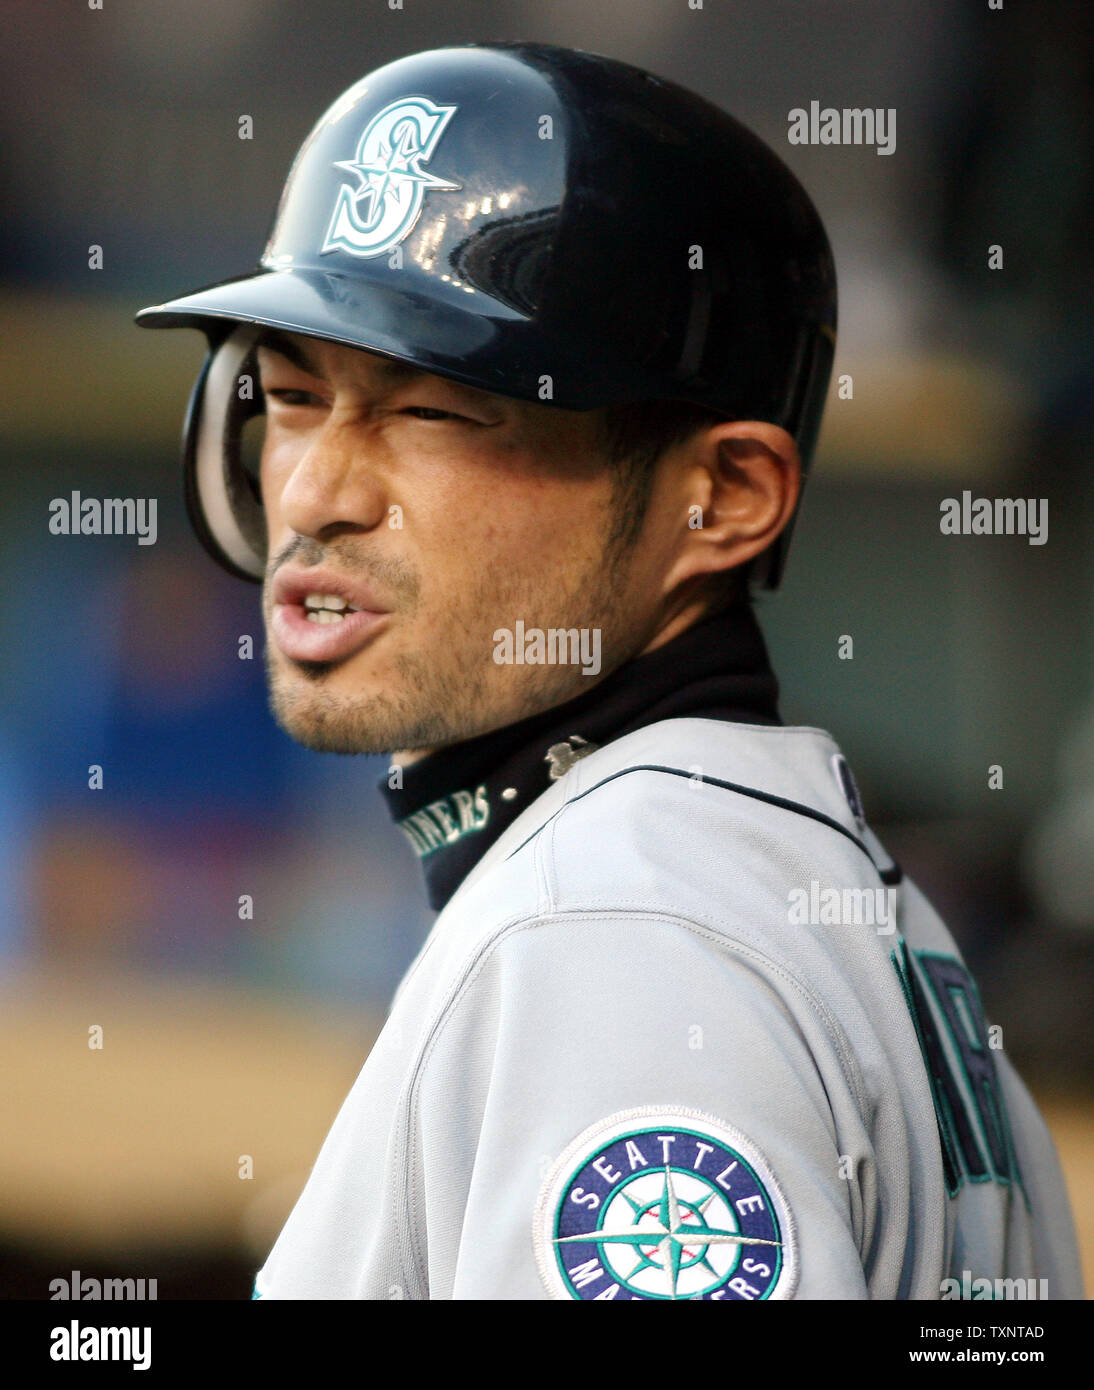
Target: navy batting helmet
515 215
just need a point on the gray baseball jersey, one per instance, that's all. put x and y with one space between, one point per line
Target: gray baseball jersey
685 1032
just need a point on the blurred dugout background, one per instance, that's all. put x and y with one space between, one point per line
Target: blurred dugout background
225 1038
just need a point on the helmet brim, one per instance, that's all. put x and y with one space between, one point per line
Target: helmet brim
502 352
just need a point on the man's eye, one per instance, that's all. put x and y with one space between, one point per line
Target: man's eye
427 412
287 397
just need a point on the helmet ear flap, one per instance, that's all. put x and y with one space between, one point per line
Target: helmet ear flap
222 498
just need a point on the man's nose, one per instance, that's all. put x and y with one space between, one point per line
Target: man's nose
334 484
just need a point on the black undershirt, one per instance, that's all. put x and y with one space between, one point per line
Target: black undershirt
455 802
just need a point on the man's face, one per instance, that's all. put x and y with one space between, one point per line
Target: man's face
443 514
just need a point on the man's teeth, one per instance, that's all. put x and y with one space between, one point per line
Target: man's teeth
327 608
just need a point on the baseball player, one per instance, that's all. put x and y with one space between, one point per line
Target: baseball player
542 343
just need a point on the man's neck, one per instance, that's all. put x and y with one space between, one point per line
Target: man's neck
678 623
454 804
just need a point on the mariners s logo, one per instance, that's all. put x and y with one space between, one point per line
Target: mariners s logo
380 207
664 1204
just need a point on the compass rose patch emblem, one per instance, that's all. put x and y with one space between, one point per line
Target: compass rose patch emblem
380 204
664 1204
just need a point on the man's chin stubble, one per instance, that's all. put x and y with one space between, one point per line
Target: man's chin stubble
430 708
328 722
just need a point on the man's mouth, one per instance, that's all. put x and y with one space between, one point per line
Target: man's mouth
320 617
312 632
327 608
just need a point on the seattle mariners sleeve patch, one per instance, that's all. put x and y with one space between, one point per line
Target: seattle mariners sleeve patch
664 1203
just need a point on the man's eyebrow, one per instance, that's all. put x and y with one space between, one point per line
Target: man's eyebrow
277 341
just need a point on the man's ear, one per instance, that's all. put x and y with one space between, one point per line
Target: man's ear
741 483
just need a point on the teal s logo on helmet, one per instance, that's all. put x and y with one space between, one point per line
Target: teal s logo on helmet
380 208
